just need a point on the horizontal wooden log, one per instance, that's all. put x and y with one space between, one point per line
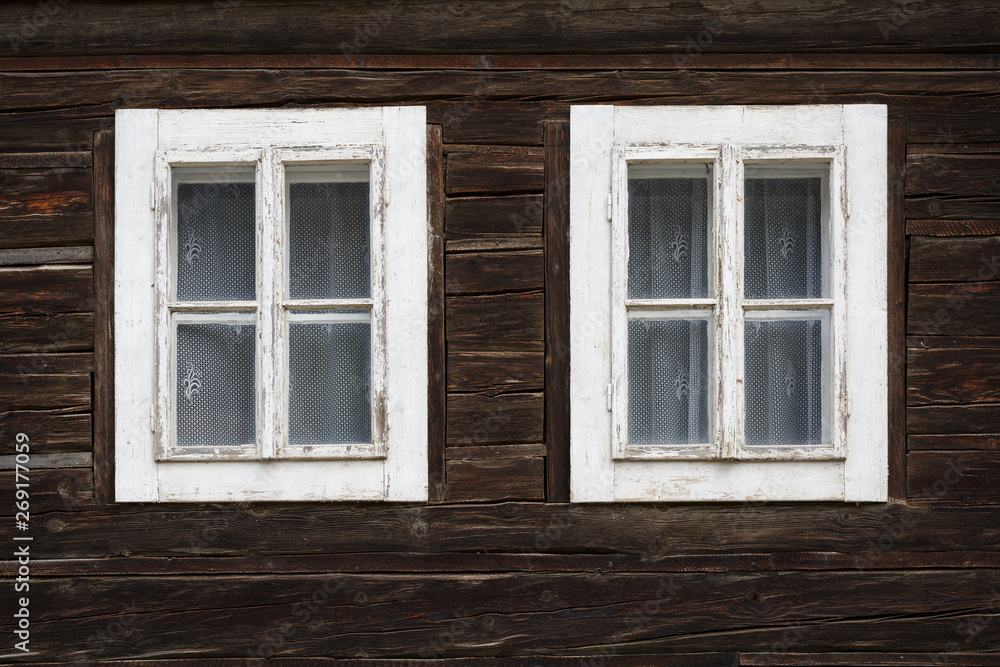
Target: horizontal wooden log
71 362
952 419
490 480
59 332
965 478
493 173
469 217
953 227
970 174
939 376
495 123
80 254
70 130
45 207
495 372
495 244
986 442
494 452
661 660
940 123
964 309
505 322
507 562
20 392
953 207
45 160
438 27
49 431
860 659
494 272
939 260
58 489
443 616
624 528
46 289
484 420
41 461
967 342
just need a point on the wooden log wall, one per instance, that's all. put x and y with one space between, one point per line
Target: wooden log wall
498 569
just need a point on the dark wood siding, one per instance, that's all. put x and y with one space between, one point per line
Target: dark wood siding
498 564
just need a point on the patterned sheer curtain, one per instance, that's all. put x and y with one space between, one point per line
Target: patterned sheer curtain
668 358
784 358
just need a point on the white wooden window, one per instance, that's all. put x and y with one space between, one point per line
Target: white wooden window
271 305
728 303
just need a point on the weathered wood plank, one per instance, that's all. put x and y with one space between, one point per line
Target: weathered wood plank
80 254
940 260
104 309
490 480
989 442
45 160
491 123
970 174
624 528
964 309
952 419
494 373
46 289
965 478
937 376
45 207
967 342
470 217
50 431
494 244
896 305
484 420
30 392
513 322
953 227
59 332
548 27
493 173
494 272
52 490
493 452
63 131
71 362
953 207
386 615
42 461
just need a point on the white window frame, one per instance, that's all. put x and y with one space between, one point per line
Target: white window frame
849 143
391 142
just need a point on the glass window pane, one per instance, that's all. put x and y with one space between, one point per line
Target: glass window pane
668 399
215 384
785 364
329 383
329 232
783 237
216 241
668 231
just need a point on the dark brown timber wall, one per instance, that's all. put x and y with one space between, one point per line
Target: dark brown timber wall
498 565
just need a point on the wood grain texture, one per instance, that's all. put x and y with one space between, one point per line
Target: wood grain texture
71 362
83 254
940 260
437 361
557 324
43 160
489 122
953 227
53 490
952 419
474 419
986 442
952 375
25 392
59 131
493 373
46 289
471 217
490 480
493 173
494 272
60 332
953 174
965 309
952 207
104 308
505 322
45 207
51 431
504 28
896 279
963 478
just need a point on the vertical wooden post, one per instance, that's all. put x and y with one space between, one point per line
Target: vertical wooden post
437 400
897 277
104 315
557 324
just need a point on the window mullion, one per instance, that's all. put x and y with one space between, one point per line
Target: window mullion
270 359
729 290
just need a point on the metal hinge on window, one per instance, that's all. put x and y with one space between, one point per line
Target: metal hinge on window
610 394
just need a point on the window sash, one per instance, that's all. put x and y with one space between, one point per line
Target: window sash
728 308
272 306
